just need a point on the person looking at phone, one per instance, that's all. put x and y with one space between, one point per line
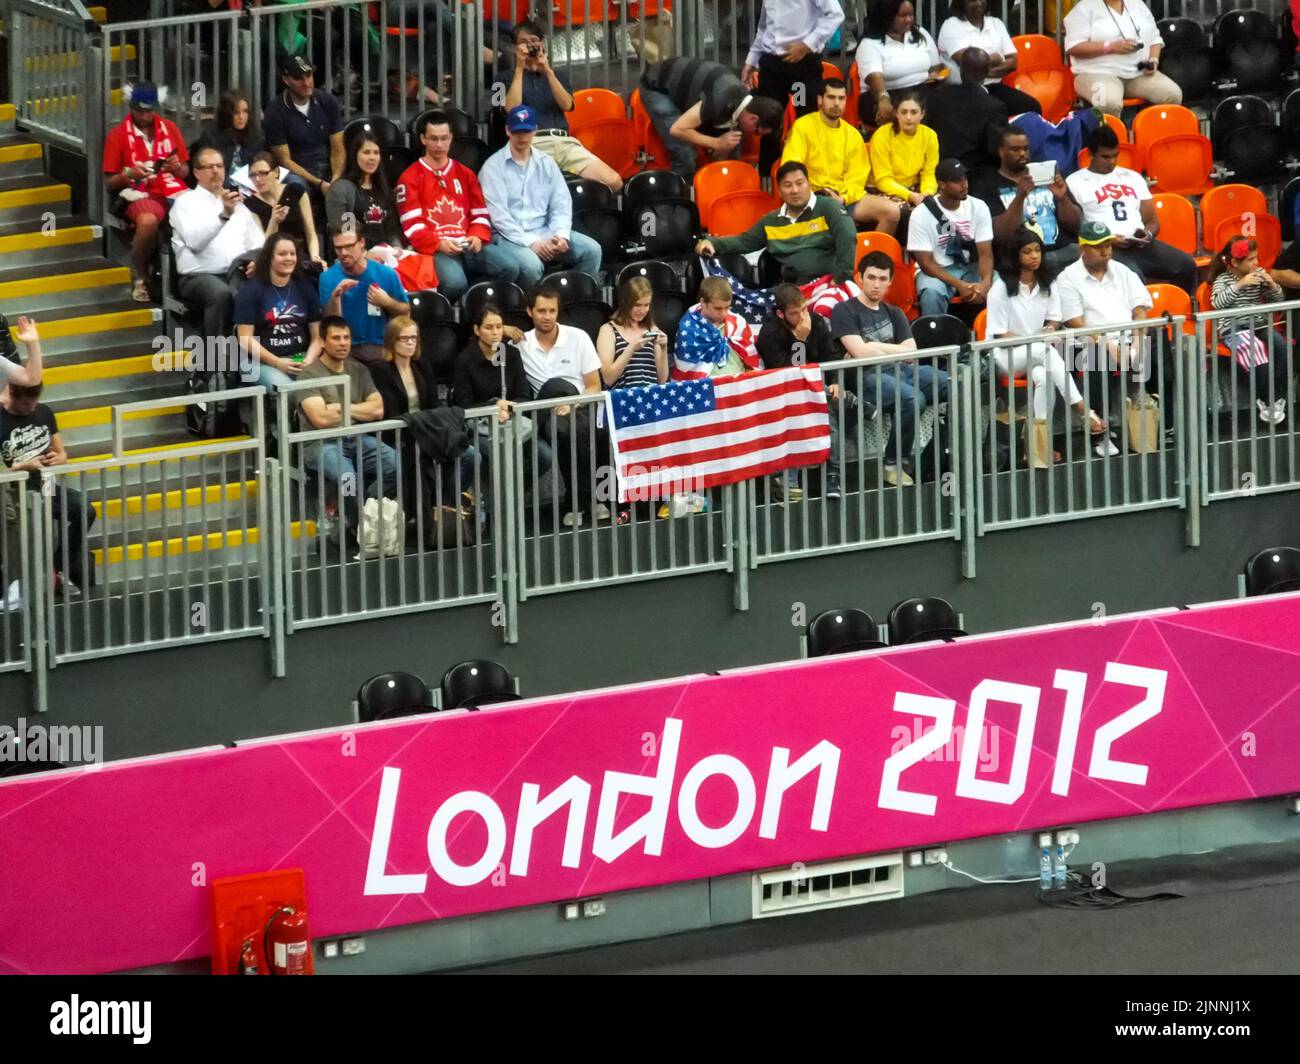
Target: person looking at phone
146 165
1014 199
633 351
282 208
1114 50
536 83
211 228
1120 199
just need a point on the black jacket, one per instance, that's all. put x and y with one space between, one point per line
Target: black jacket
389 383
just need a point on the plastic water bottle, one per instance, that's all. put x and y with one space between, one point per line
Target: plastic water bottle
1060 870
1045 869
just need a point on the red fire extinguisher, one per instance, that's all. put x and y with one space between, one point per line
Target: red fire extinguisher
286 943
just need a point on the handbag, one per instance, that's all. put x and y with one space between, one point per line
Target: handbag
381 529
450 527
1038 442
1143 421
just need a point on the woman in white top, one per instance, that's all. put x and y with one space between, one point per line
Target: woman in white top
895 54
1024 302
970 25
1114 49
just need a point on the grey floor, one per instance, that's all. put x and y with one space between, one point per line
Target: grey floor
1236 916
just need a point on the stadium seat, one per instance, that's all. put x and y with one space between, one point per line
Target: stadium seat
1290 120
506 297
396 153
1128 152
568 14
841 632
664 229
1205 303
667 309
1267 236
647 137
1241 203
1036 52
1173 301
902 289
918 620
1193 70
462 125
734 212
471 152
1255 153
1052 87
1180 163
873 241
1162 120
595 105
1177 219
440 336
1180 33
613 142
1273 571
661 276
428 307
940 330
575 285
1286 209
852 114
717 179
476 683
605 226
735 263
393 694
586 314
1256 65
587 194
981 324
652 186
1233 27
1234 112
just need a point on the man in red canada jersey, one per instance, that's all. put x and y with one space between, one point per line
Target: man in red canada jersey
441 208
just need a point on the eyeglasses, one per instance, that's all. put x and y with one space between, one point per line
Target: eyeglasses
211 166
407 339
258 173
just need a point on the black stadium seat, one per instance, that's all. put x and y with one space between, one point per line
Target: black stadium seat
586 314
393 694
575 285
470 152
590 194
940 330
440 338
663 229
1192 69
841 632
509 299
1286 209
1233 27
396 153
462 122
1290 120
1236 112
661 276
1255 154
428 307
1180 33
667 308
917 620
476 683
651 186
605 226
1272 571
1257 64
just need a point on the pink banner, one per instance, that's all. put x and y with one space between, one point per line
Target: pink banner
106 868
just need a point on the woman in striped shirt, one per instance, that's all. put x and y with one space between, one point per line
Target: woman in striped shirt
1239 282
633 352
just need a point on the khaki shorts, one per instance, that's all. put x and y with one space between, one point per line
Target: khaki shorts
568 153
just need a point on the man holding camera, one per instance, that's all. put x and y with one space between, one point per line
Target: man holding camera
535 83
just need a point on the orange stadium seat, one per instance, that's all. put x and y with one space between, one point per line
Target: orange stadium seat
595 105
902 290
1041 72
1036 52
1178 224
734 212
1172 300
1267 236
851 115
1241 203
1129 155
1180 163
1205 303
1162 120
647 137
613 142
569 13
717 179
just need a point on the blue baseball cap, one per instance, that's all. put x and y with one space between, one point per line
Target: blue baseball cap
144 95
521 119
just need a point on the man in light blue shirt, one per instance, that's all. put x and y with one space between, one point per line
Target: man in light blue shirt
530 206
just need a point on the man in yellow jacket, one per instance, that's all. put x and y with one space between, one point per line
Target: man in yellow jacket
837 160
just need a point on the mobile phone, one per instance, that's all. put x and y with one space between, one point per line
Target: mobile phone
1146 65
229 185
284 197
1140 234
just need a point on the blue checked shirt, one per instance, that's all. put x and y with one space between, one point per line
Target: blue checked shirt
526 203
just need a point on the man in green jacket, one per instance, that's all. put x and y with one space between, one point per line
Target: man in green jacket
810 236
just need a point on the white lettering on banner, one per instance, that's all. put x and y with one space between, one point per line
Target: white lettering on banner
942 710
657 788
377 880
994 790
782 776
696 830
574 792
1102 767
459 875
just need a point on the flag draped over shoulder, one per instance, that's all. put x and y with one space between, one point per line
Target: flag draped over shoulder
686 436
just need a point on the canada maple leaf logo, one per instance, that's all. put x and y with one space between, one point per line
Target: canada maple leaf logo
446 213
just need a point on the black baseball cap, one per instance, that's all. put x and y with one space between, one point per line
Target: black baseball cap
295 65
950 170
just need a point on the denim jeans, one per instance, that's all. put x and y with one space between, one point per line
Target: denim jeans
336 459
933 294
493 263
663 113
905 391
583 254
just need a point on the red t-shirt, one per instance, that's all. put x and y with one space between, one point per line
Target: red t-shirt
167 140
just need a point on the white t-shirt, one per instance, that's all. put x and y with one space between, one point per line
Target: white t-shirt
971 221
956 35
1114 199
1092 20
1022 314
1103 302
571 359
903 64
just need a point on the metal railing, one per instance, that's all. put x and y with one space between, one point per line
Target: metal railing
1036 456
436 547
15 559
887 408
571 531
125 569
47 51
1248 442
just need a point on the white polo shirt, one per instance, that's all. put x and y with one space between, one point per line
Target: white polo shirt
956 35
1103 302
1023 314
903 64
1092 20
572 358
1114 199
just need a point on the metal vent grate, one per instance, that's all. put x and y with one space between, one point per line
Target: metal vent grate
803 888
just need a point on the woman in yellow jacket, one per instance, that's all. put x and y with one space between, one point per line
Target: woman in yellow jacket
904 154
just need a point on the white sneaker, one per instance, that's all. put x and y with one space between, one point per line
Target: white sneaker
573 520
1265 411
895 476
13 600
1279 412
602 512
1106 449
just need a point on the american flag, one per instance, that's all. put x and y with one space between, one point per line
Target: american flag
753 304
686 436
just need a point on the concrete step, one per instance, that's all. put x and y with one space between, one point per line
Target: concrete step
90 259
22 160
53 292
58 245
142 447
215 547
177 511
106 392
90 331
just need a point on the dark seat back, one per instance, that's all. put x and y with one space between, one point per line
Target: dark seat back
841 631
474 683
916 620
1272 571
393 694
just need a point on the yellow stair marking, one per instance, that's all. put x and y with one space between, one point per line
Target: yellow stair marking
193 544
102 371
156 502
73 234
58 60
91 323
179 445
17 153
8 112
64 282
30 197
65 103
103 415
